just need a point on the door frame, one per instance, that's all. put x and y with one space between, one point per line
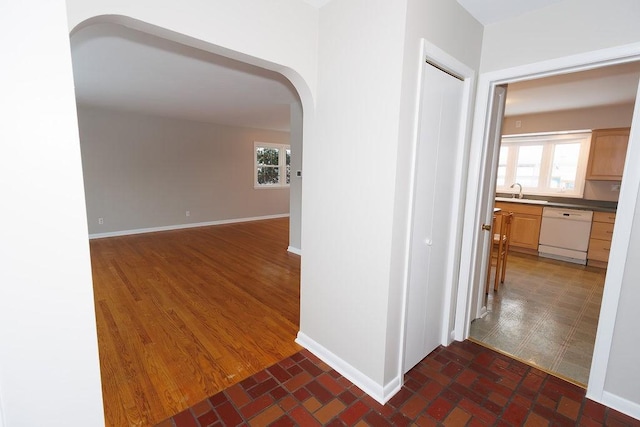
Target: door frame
441 59
472 273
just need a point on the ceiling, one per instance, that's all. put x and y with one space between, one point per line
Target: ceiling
612 85
120 68
491 11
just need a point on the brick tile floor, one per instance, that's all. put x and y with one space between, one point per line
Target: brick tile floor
464 384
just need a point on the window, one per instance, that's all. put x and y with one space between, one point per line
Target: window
272 165
544 164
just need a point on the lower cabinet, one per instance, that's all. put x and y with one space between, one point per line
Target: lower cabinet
525 228
600 240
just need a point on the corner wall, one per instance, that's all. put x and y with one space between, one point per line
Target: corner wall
49 347
349 179
145 172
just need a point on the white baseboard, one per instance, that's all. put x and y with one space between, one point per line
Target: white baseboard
294 250
381 393
182 226
621 404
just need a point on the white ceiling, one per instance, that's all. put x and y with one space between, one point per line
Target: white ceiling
120 68
490 11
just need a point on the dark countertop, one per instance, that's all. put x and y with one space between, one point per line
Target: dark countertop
558 202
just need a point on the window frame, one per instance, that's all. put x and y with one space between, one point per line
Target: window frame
548 141
282 165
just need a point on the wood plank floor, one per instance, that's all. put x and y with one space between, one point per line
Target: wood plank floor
184 314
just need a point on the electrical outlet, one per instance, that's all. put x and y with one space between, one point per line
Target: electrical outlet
518 123
100 221
187 213
615 187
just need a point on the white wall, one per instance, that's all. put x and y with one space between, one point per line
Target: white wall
548 34
605 117
49 370
561 29
295 195
349 181
145 172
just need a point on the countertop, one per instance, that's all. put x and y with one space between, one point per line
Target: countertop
590 205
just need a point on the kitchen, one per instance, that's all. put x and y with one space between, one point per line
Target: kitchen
562 156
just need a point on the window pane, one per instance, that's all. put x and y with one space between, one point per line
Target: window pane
565 166
288 166
502 166
268 175
267 156
528 166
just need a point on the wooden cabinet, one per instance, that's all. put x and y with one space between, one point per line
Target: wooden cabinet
525 228
607 154
600 240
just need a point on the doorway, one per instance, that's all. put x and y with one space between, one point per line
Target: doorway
546 311
183 309
625 207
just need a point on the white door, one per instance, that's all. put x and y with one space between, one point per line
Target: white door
498 103
438 144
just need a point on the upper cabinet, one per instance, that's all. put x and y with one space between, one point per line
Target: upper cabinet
607 154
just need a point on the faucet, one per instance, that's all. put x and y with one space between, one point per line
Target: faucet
520 195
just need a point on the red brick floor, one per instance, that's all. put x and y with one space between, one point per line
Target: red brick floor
464 384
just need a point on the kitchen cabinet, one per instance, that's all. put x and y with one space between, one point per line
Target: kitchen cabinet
600 240
607 154
525 227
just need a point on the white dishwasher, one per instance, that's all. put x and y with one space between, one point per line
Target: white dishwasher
564 234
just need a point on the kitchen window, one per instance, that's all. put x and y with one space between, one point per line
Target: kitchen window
544 164
272 165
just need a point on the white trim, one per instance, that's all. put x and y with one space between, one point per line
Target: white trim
626 204
293 250
381 393
621 404
182 226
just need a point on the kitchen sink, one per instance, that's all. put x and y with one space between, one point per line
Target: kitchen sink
516 200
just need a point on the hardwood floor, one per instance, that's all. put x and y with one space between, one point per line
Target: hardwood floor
184 314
